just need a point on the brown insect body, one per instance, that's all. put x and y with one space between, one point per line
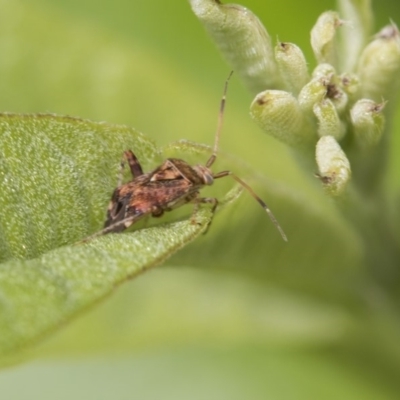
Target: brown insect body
169 186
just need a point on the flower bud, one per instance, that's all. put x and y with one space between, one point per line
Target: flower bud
242 39
338 97
368 122
278 113
323 37
292 66
329 123
333 165
326 73
379 66
312 93
324 70
350 83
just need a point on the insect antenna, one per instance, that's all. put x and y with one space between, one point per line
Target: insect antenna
227 173
219 124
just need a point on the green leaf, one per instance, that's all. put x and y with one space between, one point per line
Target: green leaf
57 174
40 294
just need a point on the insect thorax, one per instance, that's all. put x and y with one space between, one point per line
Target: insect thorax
176 169
205 174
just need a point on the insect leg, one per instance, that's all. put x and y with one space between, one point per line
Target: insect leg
256 197
209 200
134 164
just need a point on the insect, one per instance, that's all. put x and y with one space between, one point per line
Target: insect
171 185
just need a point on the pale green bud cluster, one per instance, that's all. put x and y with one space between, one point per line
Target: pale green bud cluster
339 109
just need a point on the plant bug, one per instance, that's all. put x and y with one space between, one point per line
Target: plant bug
171 185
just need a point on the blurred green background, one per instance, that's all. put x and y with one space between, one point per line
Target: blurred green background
237 314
